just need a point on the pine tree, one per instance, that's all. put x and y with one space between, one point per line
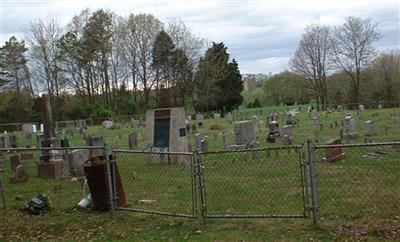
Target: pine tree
13 62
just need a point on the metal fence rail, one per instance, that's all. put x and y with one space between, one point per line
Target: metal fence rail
259 183
157 182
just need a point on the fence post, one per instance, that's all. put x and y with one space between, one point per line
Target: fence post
3 199
313 179
109 181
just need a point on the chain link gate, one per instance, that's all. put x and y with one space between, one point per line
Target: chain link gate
257 183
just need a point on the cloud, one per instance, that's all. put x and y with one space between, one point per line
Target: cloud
260 35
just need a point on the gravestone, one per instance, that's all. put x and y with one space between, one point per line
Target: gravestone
244 132
349 127
361 107
82 124
52 164
27 129
225 139
204 146
273 127
333 154
13 141
199 138
133 141
314 117
108 124
217 115
380 107
370 127
15 160
2 142
166 130
20 175
95 141
42 128
287 130
199 116
76 161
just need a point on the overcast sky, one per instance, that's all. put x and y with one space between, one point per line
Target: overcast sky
261 35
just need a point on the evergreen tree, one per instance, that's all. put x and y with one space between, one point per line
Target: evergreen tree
218 82
13 63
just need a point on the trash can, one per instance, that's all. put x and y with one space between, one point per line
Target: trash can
96 175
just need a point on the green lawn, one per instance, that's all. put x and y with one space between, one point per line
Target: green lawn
358 195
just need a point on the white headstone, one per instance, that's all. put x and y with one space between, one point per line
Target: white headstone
41 128
199 116
108 124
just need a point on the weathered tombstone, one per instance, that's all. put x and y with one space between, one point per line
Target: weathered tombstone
42 128
108 124
380 107
2 142
76 160
350 127
204 145
225 139
199 116
133 141
273 127
82 125
333 154
287 130
15 160
20 175
13 141
166 130
52 164
217 115
27 129
95 141
244 132
370 127
199 138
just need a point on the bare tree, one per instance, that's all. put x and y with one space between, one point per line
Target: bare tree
353 49
42 36
311 60
141 31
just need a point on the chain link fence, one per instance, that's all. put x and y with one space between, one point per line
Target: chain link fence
339 184
161 183
358 183
62 180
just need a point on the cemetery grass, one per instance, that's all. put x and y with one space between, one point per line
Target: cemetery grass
347 210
